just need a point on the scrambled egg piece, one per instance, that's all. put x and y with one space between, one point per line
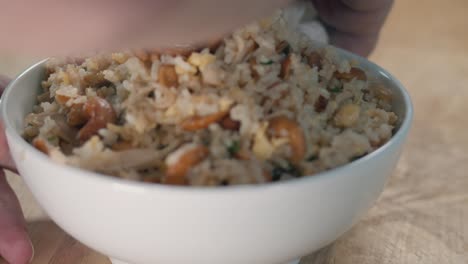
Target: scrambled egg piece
182 67
201 60
225 104
264 148
65 78
120 58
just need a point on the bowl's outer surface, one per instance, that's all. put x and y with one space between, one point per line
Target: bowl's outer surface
143 224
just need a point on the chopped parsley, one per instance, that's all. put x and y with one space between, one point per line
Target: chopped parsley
289 170
233 148
53 139
276 174
268 62
336 89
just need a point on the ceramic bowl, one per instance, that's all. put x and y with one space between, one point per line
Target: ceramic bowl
140 223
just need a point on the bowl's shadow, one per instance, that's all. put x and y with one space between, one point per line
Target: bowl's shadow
53 246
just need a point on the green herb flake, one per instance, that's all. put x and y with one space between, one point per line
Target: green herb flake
53 139
268 62
233 148
312 158
290 170
336 89
276 174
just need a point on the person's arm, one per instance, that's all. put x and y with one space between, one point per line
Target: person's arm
354 24
57 27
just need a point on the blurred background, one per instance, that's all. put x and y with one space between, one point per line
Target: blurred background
422 215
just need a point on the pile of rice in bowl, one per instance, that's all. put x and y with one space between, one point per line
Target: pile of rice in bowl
262 105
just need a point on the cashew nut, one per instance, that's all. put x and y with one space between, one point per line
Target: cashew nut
99 113
282 126
202 122
182 161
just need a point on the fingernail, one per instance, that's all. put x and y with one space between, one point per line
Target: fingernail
32 255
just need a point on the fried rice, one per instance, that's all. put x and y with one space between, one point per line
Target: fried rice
264 104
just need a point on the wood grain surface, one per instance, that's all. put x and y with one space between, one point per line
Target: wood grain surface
422 215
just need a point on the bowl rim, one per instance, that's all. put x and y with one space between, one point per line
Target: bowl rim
400 134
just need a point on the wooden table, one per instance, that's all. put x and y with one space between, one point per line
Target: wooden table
422 216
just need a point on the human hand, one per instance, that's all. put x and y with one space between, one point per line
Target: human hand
63 28
104 24
354 24
15 245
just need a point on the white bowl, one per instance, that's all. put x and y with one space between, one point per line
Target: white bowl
140 223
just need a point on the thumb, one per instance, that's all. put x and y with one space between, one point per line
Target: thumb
15 245
6 160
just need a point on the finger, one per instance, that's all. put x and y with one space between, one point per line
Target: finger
361 45
6 161
367 5
343 18
120 24
15 246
